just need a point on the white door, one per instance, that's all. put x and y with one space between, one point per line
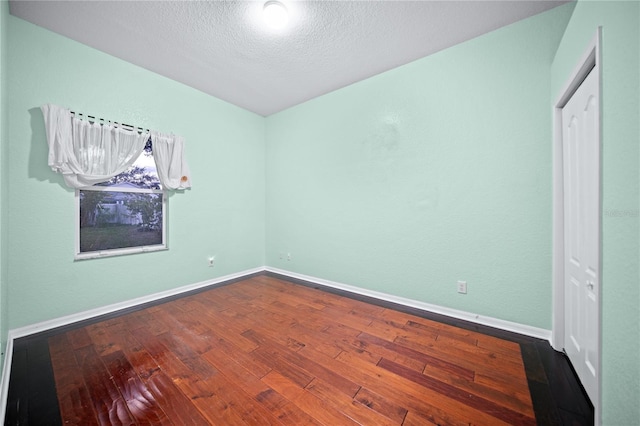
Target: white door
581 156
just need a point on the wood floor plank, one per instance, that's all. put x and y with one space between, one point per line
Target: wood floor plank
228 329
168 396
508 386
415 419
240 402
495 352
314 319
269 354
360 349
346 405
102 340
448 407
189 357
170 363
323 297
313 369
183 319
299 333
506 396
278 405
320 410
283 385
195 337
411 363
499 411
74 399
386 386
490 375
208 303
274 289
197 390
247 359
79 338
390 329
140 401
230 305
264 322
381 405
352 318
148 320
213 406
437 362
437 329
107 400
137 319
173 401
481 361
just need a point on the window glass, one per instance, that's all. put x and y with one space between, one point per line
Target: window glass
123 215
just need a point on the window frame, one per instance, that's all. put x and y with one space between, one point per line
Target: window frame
124 250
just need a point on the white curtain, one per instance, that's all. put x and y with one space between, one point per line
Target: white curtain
88 153
168 153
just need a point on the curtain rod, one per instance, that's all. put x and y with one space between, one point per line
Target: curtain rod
94 119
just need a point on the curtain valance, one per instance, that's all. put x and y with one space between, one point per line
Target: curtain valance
87 153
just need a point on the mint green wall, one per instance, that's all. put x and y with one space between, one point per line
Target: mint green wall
223 214
620 164
434 172
4 14
403 183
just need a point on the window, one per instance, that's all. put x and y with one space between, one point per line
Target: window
123 215
126 214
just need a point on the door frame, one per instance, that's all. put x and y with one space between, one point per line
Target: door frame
591 61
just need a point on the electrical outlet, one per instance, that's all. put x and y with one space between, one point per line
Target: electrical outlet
212 260
288 256
462 287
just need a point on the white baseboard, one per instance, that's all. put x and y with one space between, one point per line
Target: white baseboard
6 371
523 329
526 330
92 313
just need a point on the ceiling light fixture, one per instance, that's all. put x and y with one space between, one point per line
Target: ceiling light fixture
275 14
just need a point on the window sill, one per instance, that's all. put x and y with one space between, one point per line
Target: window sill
118 252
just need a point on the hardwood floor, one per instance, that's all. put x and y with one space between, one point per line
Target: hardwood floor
265 350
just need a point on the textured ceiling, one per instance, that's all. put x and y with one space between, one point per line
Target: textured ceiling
223 48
